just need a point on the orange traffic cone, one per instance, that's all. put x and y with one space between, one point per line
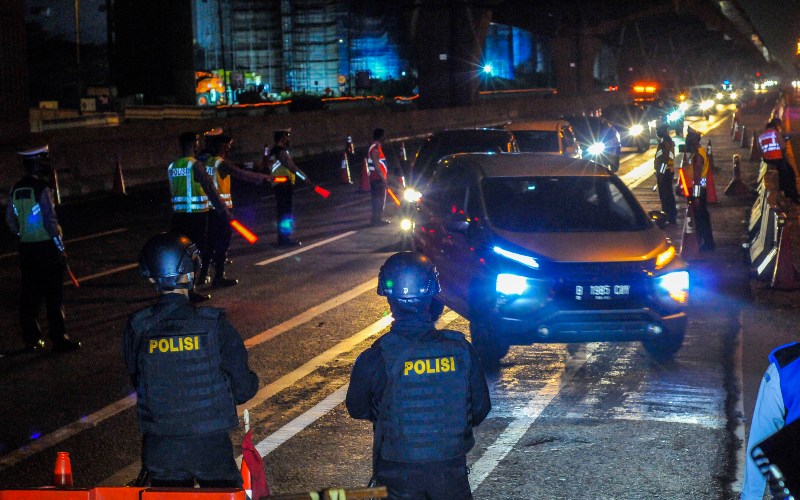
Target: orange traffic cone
755 149
247 480
364 185
344 171
737 187
119 181
690 247
349 147
711 188
56 187
62 473
785 275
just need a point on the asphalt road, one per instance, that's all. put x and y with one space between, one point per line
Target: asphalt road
598 420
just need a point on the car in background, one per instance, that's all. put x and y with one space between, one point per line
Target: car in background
631 121
535 248
671 112
599 140
546 136
702 101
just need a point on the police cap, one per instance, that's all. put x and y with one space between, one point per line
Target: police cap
692 135
280 134
35 153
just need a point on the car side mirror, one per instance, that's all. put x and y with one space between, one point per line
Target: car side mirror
457 223
659 217
682 148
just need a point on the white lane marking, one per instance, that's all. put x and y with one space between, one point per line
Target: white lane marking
739 416
75 240
119 269
305 248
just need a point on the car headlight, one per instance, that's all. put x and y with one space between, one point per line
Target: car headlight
652 123
676 285
596 148
734 95
636 129
720 95
665 257
411 195
706 104
683 106
525 260
406 224
511 284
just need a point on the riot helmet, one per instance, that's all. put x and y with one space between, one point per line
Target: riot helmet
408 276
170 260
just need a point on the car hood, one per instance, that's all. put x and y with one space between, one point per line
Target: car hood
634 246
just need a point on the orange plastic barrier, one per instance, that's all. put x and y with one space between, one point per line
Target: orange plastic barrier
123 493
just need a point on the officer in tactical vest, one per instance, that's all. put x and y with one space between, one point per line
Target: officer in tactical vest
698 176
777 405
31 215
189 368
422 388
280 165
664 164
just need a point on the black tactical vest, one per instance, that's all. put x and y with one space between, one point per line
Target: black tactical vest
181 389
428 416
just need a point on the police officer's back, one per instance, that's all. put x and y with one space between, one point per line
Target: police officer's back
422 388
189 368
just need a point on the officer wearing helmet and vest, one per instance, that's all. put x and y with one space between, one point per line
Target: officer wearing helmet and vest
696 177
189 368
378 177
31 215
284 174
664 164
773 152
422 388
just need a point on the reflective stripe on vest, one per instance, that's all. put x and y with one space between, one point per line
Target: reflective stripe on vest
373 174
29 215
663 151
770 148
188 195
277 168
223 184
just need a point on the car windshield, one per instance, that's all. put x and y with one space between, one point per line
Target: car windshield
537 141
561 204
436 148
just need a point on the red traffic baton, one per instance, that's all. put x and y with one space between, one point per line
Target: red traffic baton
72 277
246 233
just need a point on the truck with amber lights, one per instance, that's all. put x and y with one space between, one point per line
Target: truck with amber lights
541 248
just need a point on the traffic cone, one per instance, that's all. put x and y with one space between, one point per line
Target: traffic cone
733 122
247 480
62 473
119 181
350 148
755 149
364 185
344 171
711 188
743 137
690 247
56 187
785 275
735 133
737 187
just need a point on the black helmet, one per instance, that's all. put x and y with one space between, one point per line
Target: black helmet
408 275
167 257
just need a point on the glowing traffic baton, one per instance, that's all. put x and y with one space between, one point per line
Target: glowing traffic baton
246 233
72 277
317 189
391 193
683 184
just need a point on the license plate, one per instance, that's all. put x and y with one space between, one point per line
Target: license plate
602 292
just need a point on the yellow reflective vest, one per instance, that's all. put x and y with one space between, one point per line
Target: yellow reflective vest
188 195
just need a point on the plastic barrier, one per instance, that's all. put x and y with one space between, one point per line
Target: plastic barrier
737 187
785 275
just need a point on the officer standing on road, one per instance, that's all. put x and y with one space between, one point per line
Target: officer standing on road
279 162
193 192
776 406
378 177
31 215
665 172
189 368
699 165
773 152
422 388
220 169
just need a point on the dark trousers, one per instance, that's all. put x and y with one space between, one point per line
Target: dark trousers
180 461
667 195
42 280
703 222
283 210
426 481
786 178
219 240
195 227
377 193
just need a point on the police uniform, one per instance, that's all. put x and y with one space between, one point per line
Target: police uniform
665 176
31 214
378 173
189 368
698 191
283 179
777 405
773 152
423 423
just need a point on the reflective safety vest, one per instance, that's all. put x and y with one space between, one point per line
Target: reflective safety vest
374 175
770 147
428 414
25 201
786 359
188 195
665 154
693 177
181 388
276 166
223 184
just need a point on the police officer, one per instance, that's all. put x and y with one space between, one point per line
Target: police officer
283 170
31 215
422 388
189 368
698 166
776 406
220 169
378 176
773 152
193 193
664 164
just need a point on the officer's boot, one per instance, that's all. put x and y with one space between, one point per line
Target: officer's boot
220 281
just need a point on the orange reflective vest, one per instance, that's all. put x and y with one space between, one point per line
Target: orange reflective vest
770 147
223 184
374 175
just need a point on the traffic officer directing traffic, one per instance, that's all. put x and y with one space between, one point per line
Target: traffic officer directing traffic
665 172
378 176
422 388
698 173
773 152
31 215
777 405
193 192
220 169
189 368
279 162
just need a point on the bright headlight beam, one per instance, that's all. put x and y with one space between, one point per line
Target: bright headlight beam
511 284
596 148
411 195
665 257
636 129
526 260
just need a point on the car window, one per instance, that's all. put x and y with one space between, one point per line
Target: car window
447 193
537 141
561 204
436 148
